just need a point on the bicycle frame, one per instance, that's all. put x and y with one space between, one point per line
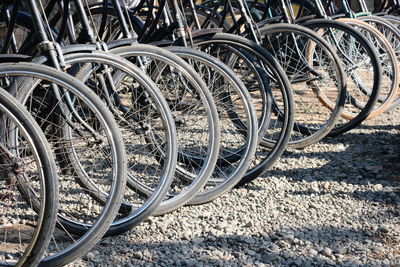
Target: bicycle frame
52 51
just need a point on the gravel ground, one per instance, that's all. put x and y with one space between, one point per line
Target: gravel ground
335 202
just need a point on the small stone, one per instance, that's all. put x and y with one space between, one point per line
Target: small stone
361 249
137 255
147 254
282 243
386 261
274 248
372 168
217 253
384 229
313 189
296 241
97 260
312 252
360 252
378 187
90 256
198 240
251 194
249 224
289 237
326 252
268 258
298 262
378 249
326 185
341 251
221 225
124 250
251 252
306 264
249 240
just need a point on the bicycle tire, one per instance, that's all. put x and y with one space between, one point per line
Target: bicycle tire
30 76
344 125
308 82
230 96
276 85
197 168
21 123
390 82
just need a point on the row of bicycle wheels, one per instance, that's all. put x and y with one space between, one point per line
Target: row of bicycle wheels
126 109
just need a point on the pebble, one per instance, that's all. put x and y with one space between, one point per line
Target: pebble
251 252
249 224
221 225
191 262
198 240
90 256
378 187
125 250
326 252
385 229
378 249
312 253
274 247
268 258
341 250
138 255
288 237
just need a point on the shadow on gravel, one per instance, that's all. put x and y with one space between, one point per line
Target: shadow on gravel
365 159
322 246
379 127
388 198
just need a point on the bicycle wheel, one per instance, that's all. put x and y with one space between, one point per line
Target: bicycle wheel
269 89
86 143
392 34
147 127
390 66
26 166
361 65
195 114
314 72
237 118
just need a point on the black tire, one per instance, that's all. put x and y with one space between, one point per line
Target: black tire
137 206
239 136
31 79
390 27
270 82
198 136
344 125
390 66
27 148
310 78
